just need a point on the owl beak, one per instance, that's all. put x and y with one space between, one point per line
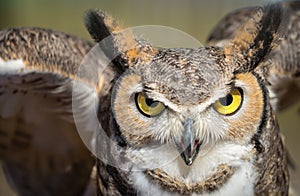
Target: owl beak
188 147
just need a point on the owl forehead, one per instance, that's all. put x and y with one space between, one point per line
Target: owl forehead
184 76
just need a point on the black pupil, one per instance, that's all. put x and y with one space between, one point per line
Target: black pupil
151 103
226 101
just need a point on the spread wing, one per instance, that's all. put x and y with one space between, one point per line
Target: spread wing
40 147
284 68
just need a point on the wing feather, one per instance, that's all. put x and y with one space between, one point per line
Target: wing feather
41 150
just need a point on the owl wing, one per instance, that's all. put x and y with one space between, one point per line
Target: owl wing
283 62
41 150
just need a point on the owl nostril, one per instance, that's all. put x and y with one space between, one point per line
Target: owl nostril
196 143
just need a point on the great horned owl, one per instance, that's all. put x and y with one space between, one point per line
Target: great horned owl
180 121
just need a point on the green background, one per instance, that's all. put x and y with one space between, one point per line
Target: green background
194 17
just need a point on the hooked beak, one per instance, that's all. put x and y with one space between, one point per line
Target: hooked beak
188 147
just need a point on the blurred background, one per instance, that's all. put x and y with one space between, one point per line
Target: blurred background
194 17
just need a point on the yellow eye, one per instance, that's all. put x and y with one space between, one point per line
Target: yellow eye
147 106
231 103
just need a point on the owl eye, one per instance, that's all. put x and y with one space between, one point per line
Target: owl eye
147 106
230 103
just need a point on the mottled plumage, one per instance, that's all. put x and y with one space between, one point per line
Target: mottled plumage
41 151
285 64
163 130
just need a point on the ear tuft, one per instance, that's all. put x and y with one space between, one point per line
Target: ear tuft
258 36
100 25
117 42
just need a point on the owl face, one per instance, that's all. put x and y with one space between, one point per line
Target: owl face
190 120
187 128
180 105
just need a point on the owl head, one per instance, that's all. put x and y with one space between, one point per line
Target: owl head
206 107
